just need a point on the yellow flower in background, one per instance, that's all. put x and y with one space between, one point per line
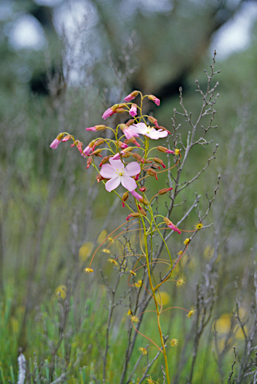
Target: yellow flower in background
174 342
134 319
223 324
133 273
61 291
114 262
105 250
111 240
143 350
176 152
86 250
88 270
180 282
186 241
190 313
138 284
102 236
163 298
129 313
199 226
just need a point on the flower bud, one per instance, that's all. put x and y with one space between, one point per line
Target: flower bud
154 99
133 110
100 127
159 161
89 161
133 215
130 122
120 110
138 157
127 154
152 172
152 120
104 160
166 221
164 190
142 211
99 142
97 153
142 189
131 96
125 196
99 178
165 150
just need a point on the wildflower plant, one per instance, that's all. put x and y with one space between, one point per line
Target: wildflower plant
124 161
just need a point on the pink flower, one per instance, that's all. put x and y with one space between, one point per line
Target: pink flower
129 132
118 174
123 145
171 225
116 157
151 132
109 112
86 151
133 110
131 96
91 129
136 195
154 99
55 143
174 228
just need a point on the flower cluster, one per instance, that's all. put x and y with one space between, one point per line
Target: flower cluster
129 140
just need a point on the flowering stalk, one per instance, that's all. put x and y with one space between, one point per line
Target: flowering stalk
128 163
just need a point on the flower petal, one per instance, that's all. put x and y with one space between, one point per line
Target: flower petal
128 183
107 171
117 164
112 183
132 169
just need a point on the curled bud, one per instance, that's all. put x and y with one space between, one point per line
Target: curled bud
152 172
142 189
131 96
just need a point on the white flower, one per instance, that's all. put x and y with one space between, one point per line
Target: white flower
148 131
119 174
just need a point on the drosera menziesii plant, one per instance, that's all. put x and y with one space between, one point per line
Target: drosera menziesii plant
136 139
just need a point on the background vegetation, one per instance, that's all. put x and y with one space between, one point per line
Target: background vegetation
52 210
